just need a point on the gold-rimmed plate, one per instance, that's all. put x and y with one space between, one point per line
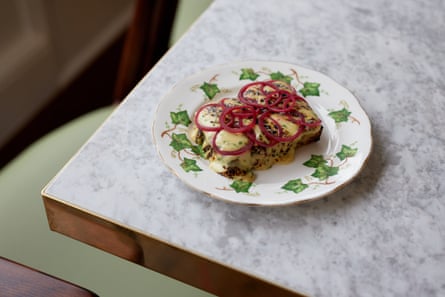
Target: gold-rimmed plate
318 169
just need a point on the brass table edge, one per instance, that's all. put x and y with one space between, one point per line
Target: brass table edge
154 253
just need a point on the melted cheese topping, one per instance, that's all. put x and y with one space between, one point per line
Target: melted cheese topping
258 157
227 141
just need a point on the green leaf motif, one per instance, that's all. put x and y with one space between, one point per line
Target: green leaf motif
190 165
197 150
341 115
324 171
295 185
248 73
310 89
241 186
280 76
180 142
315 161
346 152
210 89
180 118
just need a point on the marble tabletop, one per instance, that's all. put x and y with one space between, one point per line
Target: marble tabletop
382 235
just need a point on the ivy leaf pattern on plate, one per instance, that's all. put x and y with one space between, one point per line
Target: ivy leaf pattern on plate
248 73
295 185
280 76
315 161
241 186
341 115
324 171
210 89
318 169
180 142
346 152
324 168
190 165
180 118
310 89
197 150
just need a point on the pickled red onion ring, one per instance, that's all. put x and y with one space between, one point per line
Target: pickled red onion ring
201 109
266 98
233 118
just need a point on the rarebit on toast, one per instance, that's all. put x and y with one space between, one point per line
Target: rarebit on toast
263 125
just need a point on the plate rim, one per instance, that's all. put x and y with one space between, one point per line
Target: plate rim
215 67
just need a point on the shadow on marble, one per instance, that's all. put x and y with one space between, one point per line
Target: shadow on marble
327 209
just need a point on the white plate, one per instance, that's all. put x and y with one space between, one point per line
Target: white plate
318 169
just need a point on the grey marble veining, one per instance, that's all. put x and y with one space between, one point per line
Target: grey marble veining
382 235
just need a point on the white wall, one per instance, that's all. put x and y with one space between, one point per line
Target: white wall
44 44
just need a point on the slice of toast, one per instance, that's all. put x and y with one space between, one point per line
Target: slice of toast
249 144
